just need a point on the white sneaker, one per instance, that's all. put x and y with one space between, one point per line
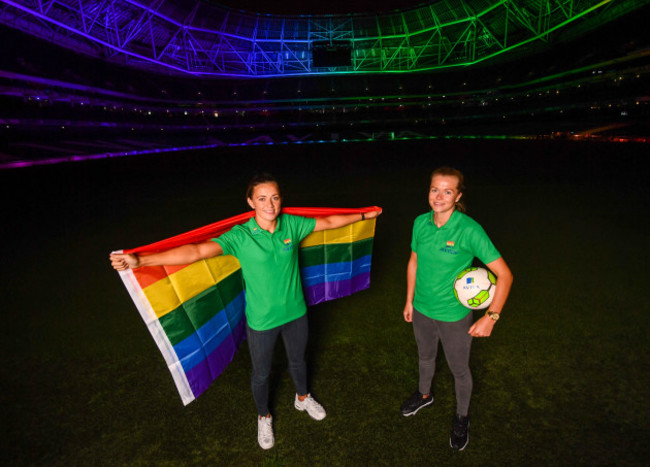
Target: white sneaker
313 408
265 432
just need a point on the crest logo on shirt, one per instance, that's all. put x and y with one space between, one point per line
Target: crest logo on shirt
449 248
288 245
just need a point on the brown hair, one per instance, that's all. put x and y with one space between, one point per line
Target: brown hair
451 172
258 180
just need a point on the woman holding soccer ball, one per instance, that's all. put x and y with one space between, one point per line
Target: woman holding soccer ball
445 241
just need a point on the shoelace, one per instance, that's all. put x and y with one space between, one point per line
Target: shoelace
267 429
310 403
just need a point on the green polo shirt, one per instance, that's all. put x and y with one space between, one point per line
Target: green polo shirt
442 254
269 263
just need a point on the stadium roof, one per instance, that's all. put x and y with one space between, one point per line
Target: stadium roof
205 39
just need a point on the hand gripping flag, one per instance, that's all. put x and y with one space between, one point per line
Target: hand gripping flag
195 312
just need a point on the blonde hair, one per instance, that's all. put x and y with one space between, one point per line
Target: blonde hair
451 172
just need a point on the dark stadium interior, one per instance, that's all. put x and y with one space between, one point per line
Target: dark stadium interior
57 103
100 150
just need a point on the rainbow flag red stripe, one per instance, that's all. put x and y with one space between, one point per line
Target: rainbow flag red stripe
195 312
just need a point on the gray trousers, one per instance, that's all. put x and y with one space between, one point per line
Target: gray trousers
456 343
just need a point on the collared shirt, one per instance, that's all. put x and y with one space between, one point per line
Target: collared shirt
443 252
269 263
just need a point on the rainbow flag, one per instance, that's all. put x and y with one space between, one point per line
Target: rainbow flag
195 312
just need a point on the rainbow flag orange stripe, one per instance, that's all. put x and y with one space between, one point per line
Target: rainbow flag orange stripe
195 312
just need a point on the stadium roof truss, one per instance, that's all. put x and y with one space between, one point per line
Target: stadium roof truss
200 38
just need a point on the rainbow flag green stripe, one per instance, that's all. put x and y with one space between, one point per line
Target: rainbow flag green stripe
330 271
336 252
195 312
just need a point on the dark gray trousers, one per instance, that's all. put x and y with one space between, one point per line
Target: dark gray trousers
261 345
456 343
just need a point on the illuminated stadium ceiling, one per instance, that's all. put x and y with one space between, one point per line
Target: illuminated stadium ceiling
204 39
330 7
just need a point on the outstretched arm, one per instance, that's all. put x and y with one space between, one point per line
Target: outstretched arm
341 220
185 254
483 326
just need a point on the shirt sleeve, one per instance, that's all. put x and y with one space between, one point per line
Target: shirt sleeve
310 225
482 246
227 242
414 236
301 226
414 243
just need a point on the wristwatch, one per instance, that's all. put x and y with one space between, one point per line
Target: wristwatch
493 315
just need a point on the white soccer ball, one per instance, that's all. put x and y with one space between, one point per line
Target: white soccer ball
474 288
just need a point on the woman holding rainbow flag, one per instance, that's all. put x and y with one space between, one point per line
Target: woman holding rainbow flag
444 242
267 249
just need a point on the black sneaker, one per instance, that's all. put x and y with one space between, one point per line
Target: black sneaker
415 403
459 433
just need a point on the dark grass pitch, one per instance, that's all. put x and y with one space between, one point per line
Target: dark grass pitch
563 380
